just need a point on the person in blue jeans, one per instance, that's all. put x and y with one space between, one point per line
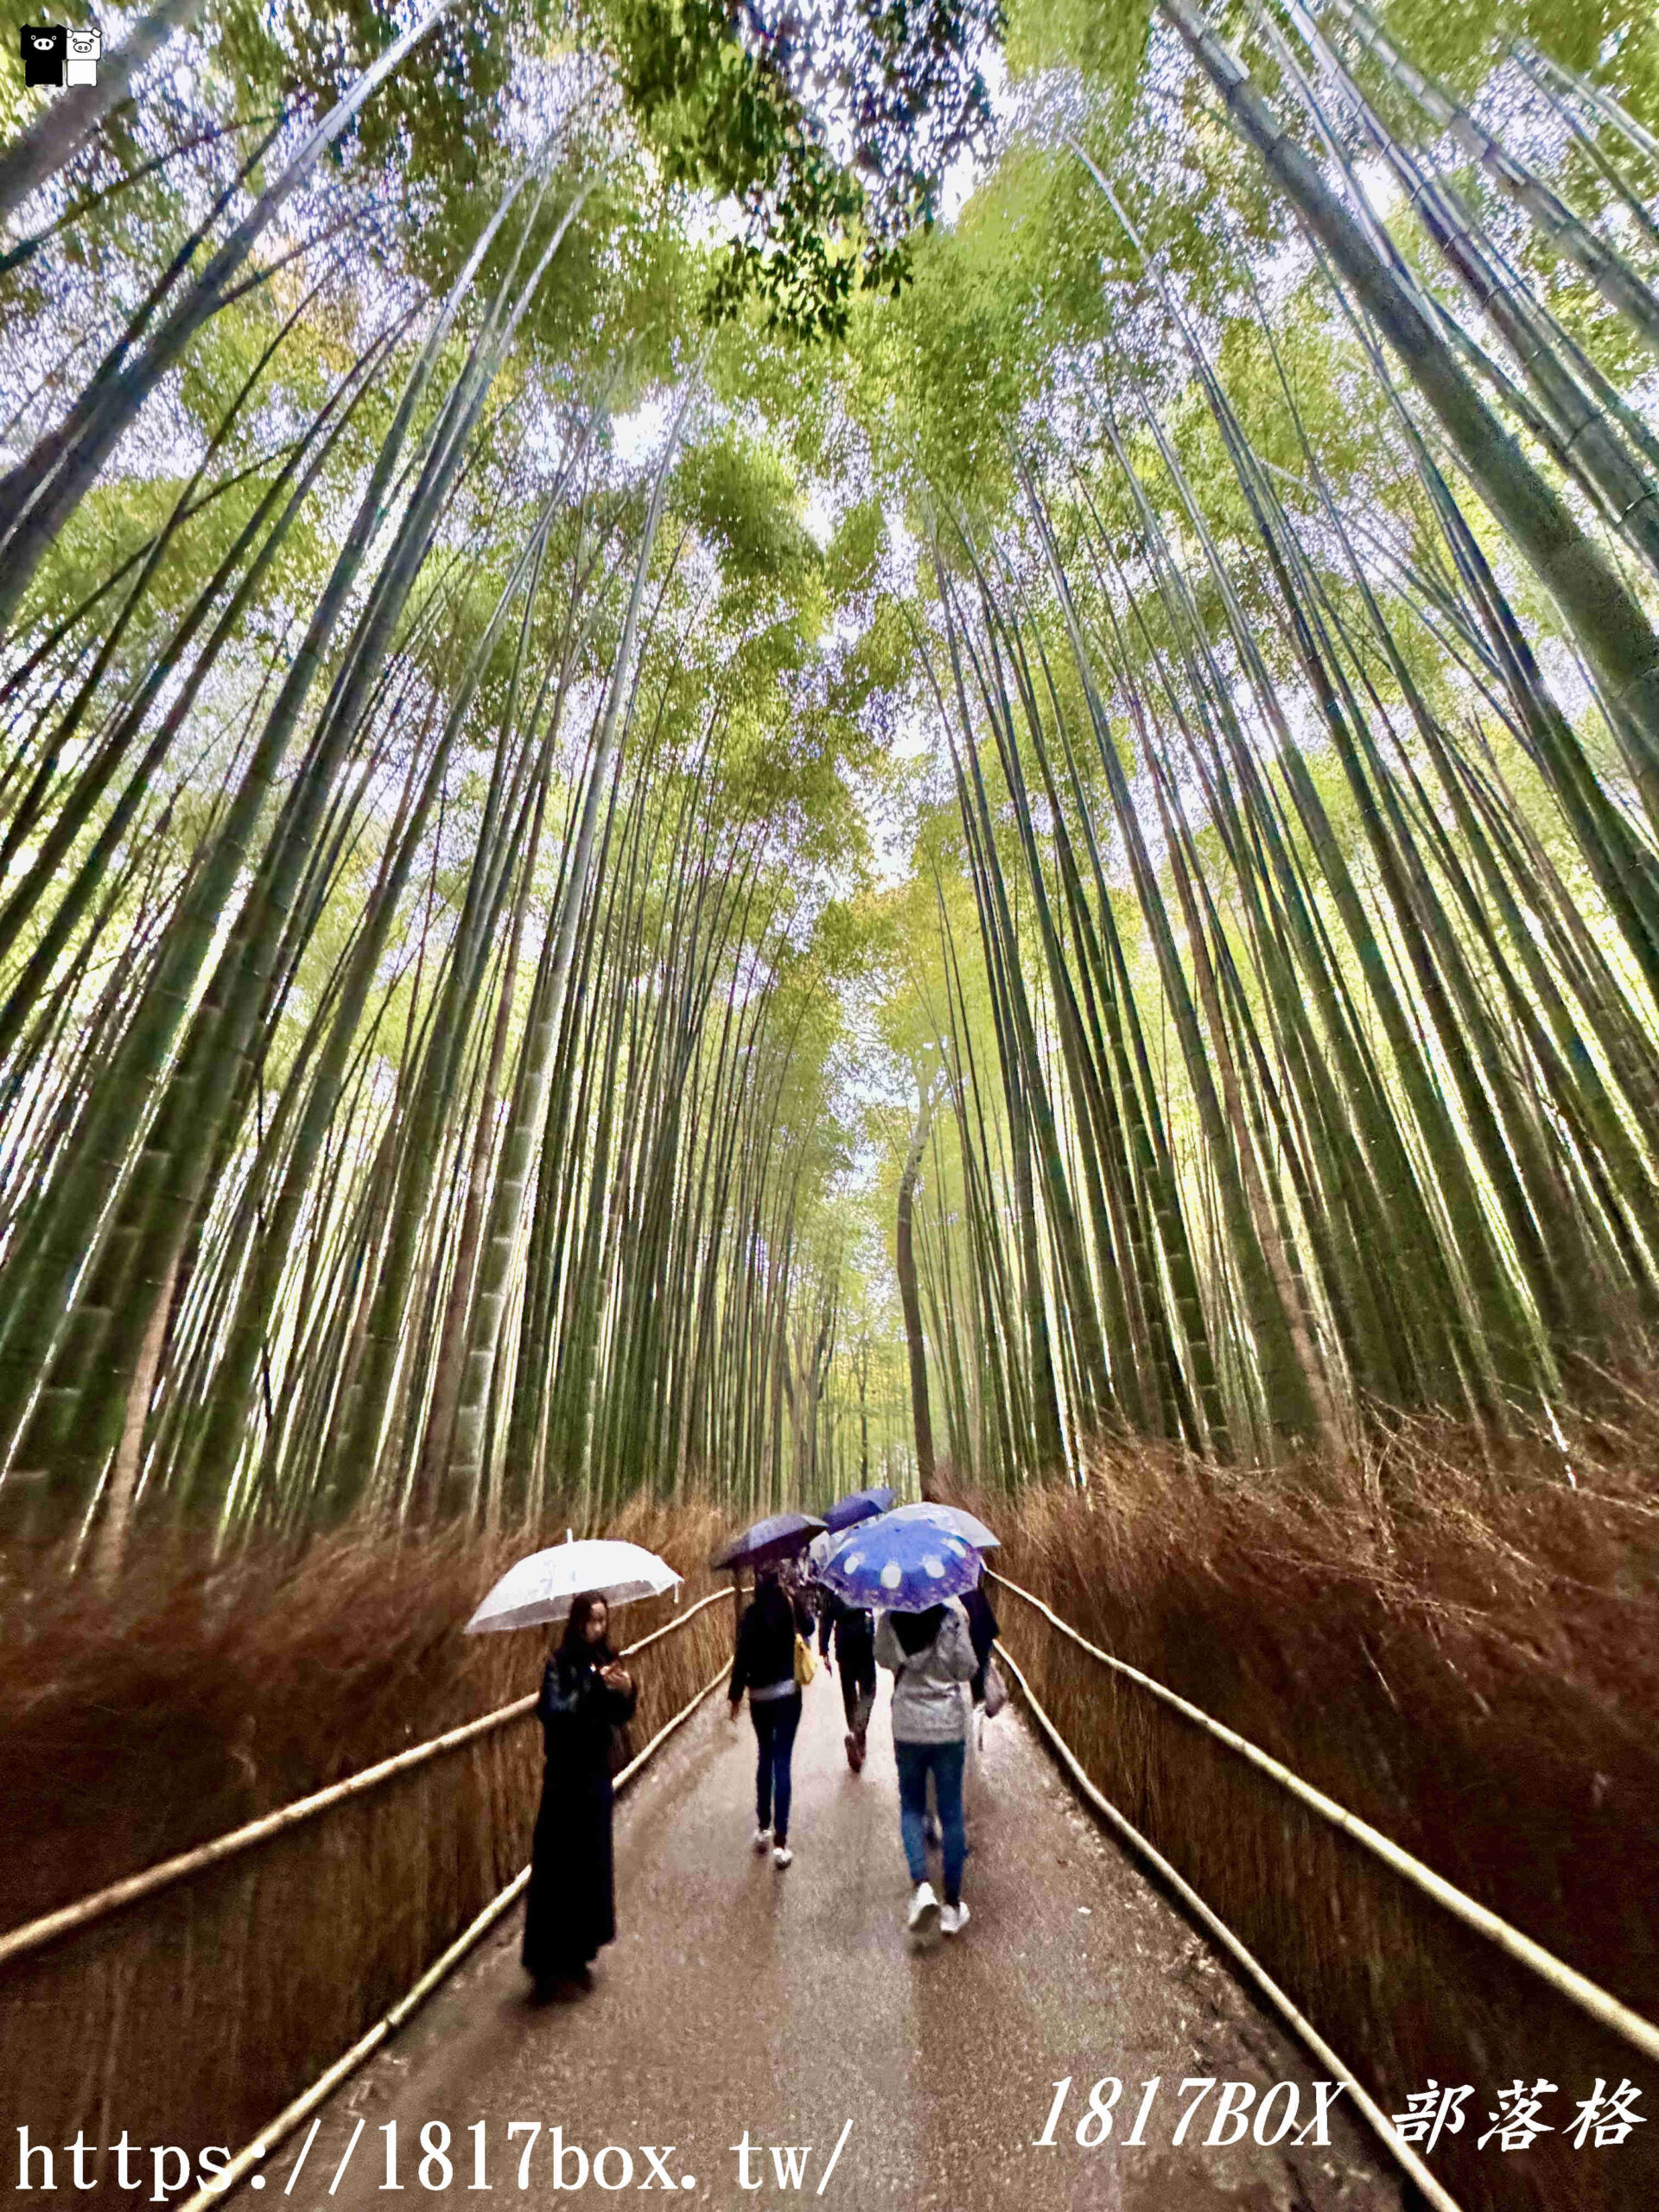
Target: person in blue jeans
764 1665
931 1657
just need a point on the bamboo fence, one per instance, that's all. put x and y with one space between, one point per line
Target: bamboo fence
187 2005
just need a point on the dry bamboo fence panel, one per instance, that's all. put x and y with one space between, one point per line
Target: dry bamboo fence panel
191 2015
1403 1990
277 2130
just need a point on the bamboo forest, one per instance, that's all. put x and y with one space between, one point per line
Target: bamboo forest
766 753
746 750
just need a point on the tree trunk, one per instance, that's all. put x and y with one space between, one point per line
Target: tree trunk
512 1175
1619 284
65 125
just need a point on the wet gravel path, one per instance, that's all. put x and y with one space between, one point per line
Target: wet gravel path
788 2003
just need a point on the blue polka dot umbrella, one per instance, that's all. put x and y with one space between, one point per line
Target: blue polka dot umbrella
900 1567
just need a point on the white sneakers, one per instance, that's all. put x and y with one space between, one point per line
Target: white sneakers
926 1914
763 1839
781 1854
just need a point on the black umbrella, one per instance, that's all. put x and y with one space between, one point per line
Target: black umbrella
779 1536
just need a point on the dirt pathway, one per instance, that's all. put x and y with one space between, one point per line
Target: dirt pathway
788 2005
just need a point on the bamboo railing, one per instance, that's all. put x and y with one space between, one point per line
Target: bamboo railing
1330 1919
204 1991
1378 2120
34 1934
1596 2004
323 2087
1566 1980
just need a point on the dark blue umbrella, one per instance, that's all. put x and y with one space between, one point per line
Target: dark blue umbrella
860 1505
902 1566
779 1536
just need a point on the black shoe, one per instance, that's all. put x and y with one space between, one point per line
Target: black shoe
561 1985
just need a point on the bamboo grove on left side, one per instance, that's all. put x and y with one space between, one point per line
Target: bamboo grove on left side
414 1039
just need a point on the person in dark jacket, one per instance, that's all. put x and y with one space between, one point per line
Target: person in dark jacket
852 1630
587 1694
764 1665
983 1631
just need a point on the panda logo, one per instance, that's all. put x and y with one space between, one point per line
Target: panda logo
85 46
44 48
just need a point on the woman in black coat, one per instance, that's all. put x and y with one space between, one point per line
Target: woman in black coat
764 1664
587 1694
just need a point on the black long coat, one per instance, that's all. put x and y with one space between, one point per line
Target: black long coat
571 1906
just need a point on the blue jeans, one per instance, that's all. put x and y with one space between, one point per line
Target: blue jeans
943 1761
776 1719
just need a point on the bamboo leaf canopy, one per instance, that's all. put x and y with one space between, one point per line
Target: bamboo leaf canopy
898 747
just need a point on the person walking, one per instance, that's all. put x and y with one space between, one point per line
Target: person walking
587 1695
852 1628
931 1657
983 1631
764 1665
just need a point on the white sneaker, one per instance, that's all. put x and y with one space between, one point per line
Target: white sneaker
953 1919
763 1839
924 1914
781 1854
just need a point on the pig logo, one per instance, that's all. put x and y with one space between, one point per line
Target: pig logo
85 46
44 48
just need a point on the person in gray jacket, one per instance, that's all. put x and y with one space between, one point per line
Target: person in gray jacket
931 1657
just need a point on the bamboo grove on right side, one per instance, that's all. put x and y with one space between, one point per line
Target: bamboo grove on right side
1295 1034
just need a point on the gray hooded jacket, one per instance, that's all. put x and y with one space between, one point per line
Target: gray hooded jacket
930 1692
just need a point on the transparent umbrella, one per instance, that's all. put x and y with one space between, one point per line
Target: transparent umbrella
542 1587
953 1517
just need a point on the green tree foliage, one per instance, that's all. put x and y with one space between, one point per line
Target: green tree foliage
830 127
